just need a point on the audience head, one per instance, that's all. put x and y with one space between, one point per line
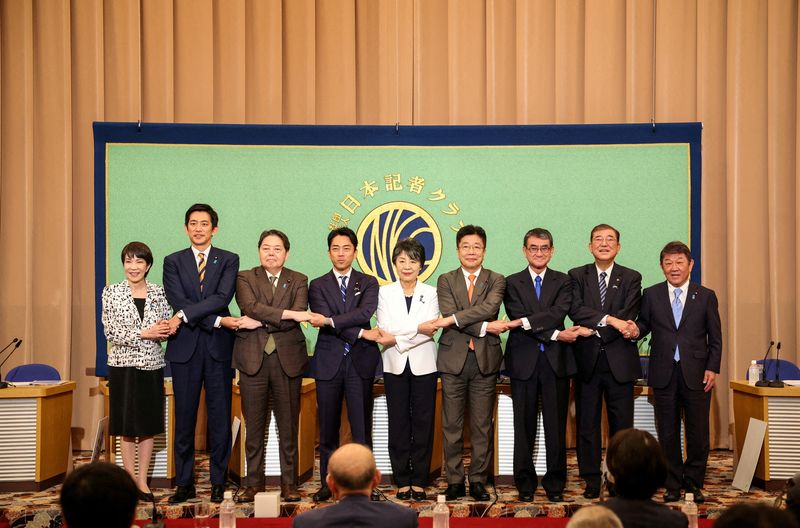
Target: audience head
755 515
594 517
99 495
793 496
636 463
352 471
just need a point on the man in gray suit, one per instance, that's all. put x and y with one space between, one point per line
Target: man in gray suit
351 477
469 359
270 354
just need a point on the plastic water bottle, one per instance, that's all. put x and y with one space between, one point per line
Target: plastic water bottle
753 373
441 513
689 509
227 511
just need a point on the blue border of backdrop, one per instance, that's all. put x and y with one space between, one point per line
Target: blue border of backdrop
206 134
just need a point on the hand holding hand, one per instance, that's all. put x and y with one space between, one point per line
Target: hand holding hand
229 322
373 334
174 323
386 339
444 322
584 331
568 335
497 327
317 320
248 323
158 331
428 328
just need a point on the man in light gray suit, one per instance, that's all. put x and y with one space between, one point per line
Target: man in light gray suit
469 359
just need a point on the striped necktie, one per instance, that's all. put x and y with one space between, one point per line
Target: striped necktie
201 268
343 288
603 288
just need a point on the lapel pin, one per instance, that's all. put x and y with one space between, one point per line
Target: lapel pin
422 299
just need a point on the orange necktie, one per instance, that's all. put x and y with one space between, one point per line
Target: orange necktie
469 296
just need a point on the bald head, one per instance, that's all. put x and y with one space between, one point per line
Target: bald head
352 469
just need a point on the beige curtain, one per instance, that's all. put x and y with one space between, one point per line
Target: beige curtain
63 64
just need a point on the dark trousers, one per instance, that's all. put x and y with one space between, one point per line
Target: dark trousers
589 396
270 389
187 380
554 394
479 389
358 393
410 402
695 404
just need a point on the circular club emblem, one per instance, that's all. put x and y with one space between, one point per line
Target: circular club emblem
389 223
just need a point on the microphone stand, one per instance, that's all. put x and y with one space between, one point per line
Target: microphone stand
18 342
763 381
777 383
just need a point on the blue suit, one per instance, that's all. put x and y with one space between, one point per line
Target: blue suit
338 374
200 355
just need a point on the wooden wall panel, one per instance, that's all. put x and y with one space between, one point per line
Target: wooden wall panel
501 62
299 70
263 61
121 60
431 82
229 61
193 64
570 61
536 61
158 66
639 61
604 77
466 62
335 54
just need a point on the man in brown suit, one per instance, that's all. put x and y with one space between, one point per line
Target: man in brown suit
469 359
270 354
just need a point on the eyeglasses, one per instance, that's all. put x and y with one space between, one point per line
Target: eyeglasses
608 240
465 247
539 249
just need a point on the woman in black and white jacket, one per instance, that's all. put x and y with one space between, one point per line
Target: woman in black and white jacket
135 314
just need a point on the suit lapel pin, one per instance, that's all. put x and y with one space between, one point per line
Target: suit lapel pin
422 299
215 260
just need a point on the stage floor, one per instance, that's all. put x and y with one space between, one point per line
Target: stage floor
18 509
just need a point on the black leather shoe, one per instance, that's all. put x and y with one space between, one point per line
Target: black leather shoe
182 494
404 495
217 492
454 491
525 496
591 492
555 496
672 495
419 495
323 494
478 492
146 496
690 487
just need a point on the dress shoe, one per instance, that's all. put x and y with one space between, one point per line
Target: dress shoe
555 496
323 494
454 491
182 494
591 492
248 494
289 493
690 487
478 492
419 495
672 495
146 496
404 495
217 493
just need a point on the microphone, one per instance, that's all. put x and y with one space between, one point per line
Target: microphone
18 342
763 381
777 384
156 520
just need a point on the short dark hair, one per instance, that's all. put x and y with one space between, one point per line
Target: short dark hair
637 464
99 494
277 233
600 227
538 232
410 247
470 230
673 248
202 208
755 515
137 250
343 231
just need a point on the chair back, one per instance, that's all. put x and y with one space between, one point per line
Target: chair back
33 372
786 369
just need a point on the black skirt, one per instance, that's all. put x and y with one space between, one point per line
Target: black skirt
136 401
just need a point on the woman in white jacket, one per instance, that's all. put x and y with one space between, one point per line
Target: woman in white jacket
405 311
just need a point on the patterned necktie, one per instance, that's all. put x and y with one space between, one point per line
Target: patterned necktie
469 296
270 347
537 282
201 268
344 300
603 288
677 312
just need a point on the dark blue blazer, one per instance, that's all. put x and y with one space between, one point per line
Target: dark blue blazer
182 286
325 297
357 511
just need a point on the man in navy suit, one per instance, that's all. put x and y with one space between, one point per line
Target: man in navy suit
539 362
605 298
685 355
352 477
200 282
343 302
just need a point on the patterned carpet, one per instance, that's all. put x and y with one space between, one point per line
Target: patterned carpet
40 510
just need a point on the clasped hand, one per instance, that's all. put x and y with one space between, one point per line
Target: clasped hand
628 328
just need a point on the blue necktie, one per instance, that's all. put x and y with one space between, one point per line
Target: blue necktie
603 288
343 288
677 312
537 282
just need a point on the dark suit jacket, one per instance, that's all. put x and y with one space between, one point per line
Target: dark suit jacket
622 300
545 315
255 299
182 286
699 334
357 511
325 297
645 513
454 341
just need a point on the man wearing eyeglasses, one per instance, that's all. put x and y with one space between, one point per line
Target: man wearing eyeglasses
539 362
469 359
605 300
